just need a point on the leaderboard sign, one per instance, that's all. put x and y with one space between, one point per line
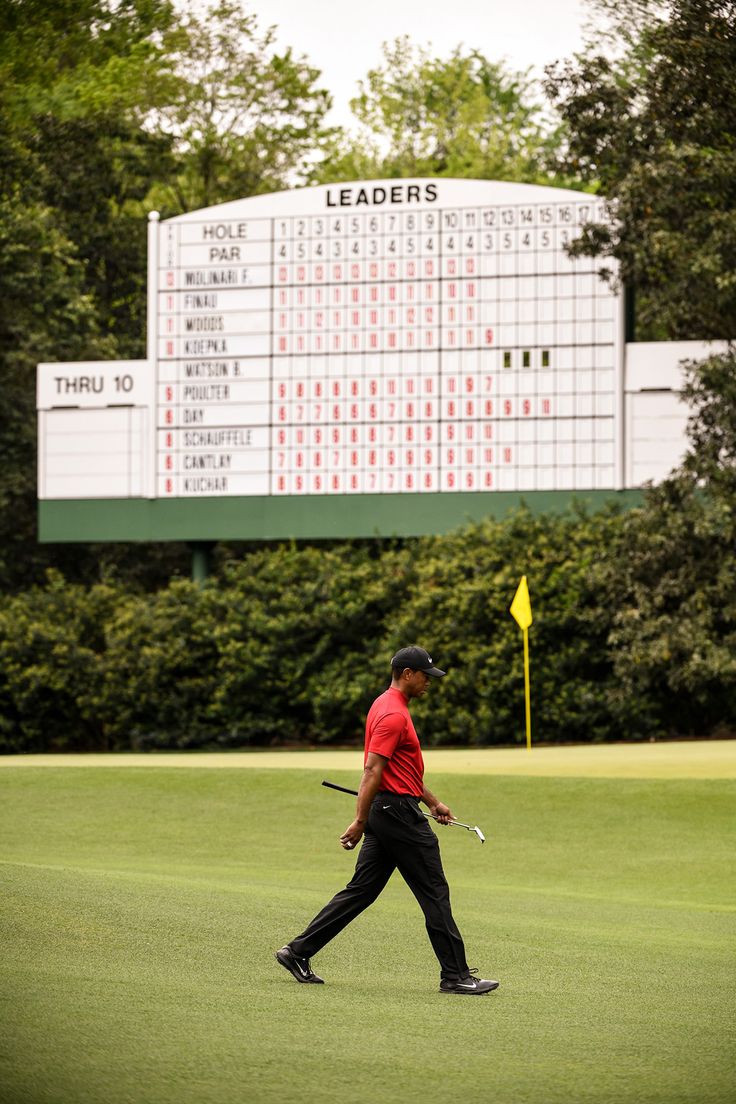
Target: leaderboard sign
376 338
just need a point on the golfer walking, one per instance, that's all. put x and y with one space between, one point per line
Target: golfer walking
396 833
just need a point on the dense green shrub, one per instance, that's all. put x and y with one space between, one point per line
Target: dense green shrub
673 636
459 605
298 643
160 668
52 645
634 635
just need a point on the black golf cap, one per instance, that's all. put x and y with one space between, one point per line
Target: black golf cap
417 659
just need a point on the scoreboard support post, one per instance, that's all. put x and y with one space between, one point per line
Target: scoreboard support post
201 560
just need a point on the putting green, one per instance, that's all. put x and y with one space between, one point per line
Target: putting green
681 759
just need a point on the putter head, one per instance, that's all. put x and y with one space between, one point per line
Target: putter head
479 834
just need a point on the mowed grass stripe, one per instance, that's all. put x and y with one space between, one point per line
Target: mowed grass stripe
679 759
141 909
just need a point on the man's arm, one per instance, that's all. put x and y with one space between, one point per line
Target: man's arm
370 784
436 807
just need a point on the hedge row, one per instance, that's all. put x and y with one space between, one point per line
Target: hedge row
291 645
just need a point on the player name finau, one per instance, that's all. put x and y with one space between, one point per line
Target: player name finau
205 301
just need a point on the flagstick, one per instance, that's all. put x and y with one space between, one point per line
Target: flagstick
521 611
527 695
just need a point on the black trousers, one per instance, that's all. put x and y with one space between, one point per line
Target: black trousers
397 836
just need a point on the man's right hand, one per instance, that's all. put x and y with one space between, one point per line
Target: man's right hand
352 835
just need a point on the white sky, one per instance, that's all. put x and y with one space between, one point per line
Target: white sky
344 40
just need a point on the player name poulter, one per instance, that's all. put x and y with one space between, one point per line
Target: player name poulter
206 392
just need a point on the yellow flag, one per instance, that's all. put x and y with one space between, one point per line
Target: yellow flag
521 607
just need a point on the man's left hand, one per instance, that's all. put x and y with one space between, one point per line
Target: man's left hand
442 812
352 835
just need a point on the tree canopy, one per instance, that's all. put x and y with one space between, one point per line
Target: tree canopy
459 116
650 119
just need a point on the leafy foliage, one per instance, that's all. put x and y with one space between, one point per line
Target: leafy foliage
244 119
654 125
51 646
461 116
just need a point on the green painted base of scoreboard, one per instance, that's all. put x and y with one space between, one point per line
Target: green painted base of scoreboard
303 518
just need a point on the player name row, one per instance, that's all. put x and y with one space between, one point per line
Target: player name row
387 412
393 315
382 389
428 293
415 339
505 476
386 457
446 220
302 276
374 390
314 274
259 441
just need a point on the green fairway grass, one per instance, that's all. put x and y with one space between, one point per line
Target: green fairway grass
686 759
141 909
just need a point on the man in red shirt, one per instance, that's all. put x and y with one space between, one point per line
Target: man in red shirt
397 835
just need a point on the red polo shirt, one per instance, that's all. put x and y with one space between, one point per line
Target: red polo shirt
389 731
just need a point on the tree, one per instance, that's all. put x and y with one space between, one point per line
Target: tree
710 390
46 316
654 125
73 119
243 118
463 116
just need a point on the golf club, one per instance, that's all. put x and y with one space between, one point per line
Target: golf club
455 823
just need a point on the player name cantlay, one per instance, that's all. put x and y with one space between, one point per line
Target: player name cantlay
207 461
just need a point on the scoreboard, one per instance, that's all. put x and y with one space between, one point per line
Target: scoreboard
381 338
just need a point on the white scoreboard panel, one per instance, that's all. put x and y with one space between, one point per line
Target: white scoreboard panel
385 337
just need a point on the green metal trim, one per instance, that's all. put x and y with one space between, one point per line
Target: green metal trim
298 518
